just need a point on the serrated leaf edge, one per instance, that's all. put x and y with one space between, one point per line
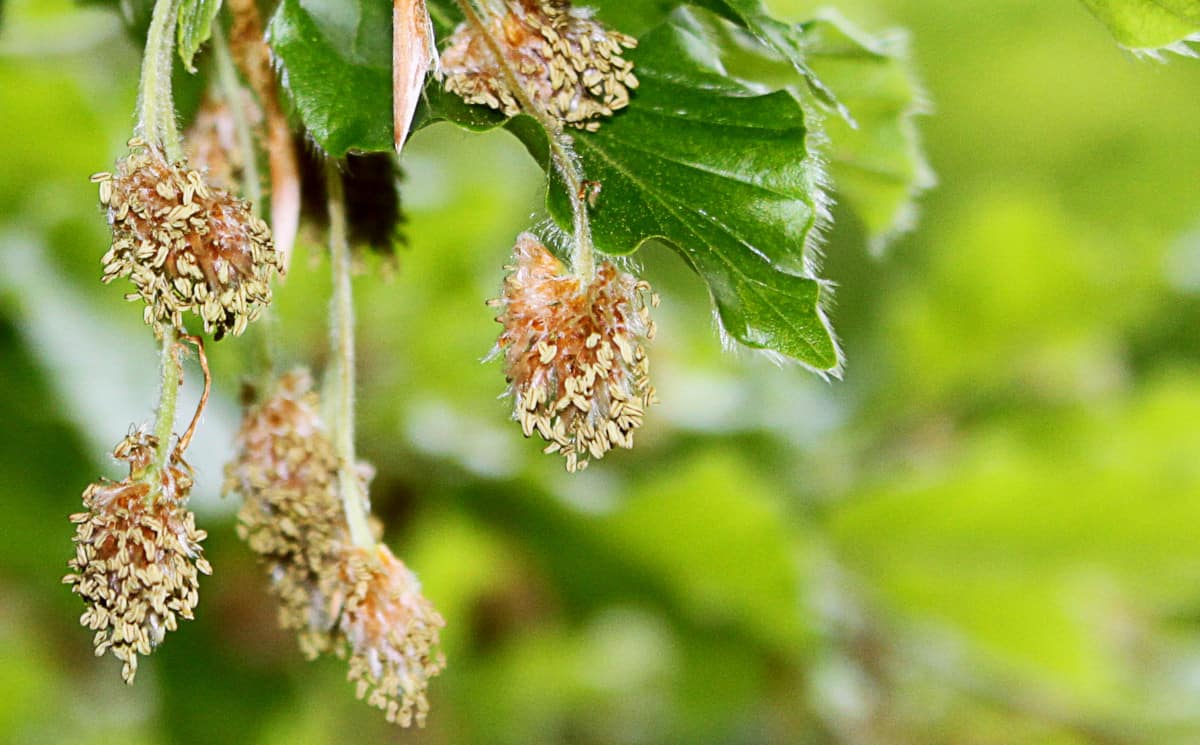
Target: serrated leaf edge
1183 48
893 44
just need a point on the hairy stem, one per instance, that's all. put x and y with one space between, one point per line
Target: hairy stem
583 260
339 385
156 107
164 422
156 125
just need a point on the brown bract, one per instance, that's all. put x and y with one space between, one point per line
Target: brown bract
247 41
567 64
137 555
390 634
574 354
184 244
291 515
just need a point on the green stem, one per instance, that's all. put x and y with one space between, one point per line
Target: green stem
156 125
156 107
339 386
164 423
231 90
566 162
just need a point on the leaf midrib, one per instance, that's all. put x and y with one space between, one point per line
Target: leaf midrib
749 282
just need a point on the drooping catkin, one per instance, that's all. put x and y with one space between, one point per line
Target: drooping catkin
574 353
186 245
137 554
567 64
361 603
389 632
286 472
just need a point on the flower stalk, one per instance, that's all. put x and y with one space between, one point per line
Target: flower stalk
566 162
156 106
156 124
339 383
164 422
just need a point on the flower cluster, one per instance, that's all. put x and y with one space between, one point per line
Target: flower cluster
566 64
573 353
389 631
137 555
291 515
360 603
184 244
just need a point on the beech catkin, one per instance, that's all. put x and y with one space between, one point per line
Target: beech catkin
574 353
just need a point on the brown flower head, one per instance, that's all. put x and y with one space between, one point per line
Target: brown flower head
573 353
291 515
186 245
568 65
137 555
390 634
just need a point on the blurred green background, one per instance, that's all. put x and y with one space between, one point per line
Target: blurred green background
988 533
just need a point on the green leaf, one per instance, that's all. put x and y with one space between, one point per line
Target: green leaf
726 178
785 39
874 152
194 28
751 15
876 160
878 167
337 69
722 174
1151 26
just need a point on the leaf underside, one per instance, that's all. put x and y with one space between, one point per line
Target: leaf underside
1150 26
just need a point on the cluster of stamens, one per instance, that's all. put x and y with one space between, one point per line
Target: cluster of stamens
359 603
186 245
291 516
565 63
573 353
137 555
389 632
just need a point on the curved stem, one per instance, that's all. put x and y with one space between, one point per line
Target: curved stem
339 384
156 107
583 261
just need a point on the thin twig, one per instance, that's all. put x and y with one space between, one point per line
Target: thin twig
340 379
